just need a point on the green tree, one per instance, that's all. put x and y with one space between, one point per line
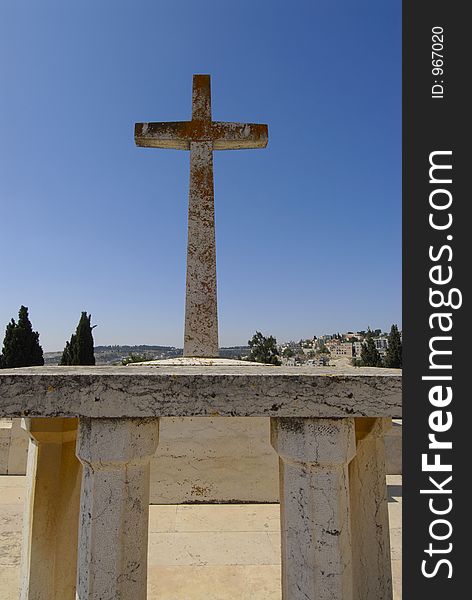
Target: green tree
79 351
264 349
370 356
21 344
8 343
67 357
136 358
287 353
393 358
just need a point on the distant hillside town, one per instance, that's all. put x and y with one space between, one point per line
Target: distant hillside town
371 348
318 351
324 349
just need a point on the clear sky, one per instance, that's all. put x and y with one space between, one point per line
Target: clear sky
308 229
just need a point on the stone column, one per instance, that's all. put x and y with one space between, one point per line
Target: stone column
50 526
369 512
201 319
314 506
114 507
18 454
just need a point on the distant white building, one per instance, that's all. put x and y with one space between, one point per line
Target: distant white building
381 343
357 349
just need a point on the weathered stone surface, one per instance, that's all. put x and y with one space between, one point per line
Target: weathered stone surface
178 135
201 317
204 459
5 441
49 552
372 577
314 507
114 507
18 454
13 447
393 448
198 391
201 136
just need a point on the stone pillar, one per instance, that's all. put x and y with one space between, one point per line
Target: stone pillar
49 551
314 506
5 443
18 454
369 512
114 507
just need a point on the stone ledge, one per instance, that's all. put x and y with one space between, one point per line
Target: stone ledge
154 391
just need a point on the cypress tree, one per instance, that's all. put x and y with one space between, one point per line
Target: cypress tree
5 356
21 346
79 351
66 358
85 355
393 358
370 356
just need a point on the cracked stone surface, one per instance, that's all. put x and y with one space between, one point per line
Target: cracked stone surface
114 507
199 391
314 506
372 577
201 318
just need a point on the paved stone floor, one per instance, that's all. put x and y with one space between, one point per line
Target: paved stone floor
196 552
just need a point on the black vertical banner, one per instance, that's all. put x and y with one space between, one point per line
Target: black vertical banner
437 267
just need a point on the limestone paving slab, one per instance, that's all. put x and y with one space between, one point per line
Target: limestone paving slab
164 519
220 548
11 516
194 581
10 548
9 582
12 494
9 481
153 391
191 582
263 582
227 517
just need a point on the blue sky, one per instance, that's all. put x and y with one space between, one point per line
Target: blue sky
308 230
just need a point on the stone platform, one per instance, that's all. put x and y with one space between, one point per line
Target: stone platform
95 429
190 391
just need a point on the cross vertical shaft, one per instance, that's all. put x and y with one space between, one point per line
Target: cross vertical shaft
201 315
201 318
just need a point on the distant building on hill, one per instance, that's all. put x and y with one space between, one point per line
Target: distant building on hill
339 349
357 349
381 343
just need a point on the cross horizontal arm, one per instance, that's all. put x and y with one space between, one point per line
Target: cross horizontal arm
235 136
179 134
171 134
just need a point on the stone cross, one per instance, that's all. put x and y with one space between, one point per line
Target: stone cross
201 136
